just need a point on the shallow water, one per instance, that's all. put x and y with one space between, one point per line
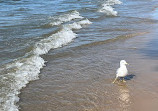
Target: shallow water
73 48
81 80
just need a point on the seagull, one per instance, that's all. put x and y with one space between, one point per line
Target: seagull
122 71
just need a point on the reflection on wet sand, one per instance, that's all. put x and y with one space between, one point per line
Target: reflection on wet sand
124 97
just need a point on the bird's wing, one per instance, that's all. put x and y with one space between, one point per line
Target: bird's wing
118 70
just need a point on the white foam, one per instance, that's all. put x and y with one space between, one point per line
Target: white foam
77 25
84 22
65 18
74 25
56 40
108 9
113 2
64 36
27 70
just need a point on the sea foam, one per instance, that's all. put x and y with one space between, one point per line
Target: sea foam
62 37
27 68
108 9
57 20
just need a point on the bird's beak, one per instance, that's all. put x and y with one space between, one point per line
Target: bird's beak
127 63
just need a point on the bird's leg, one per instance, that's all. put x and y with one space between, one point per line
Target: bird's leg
124 79
114 80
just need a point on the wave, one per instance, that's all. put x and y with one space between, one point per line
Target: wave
21 72
62 37
115 39
27 68
65 18
108 9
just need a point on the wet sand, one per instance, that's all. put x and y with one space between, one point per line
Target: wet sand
80 78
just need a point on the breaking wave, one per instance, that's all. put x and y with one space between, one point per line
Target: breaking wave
27 68
108 9
57 20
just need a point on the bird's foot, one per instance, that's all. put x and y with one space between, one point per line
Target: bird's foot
123 80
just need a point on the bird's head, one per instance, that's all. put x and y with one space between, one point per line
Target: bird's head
123 62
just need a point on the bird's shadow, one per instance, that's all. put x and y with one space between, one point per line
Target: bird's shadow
129 77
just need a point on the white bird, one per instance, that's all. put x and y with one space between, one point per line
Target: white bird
122 71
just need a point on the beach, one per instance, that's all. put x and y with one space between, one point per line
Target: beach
66 60
81 82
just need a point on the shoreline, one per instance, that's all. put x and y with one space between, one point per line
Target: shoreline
98 63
